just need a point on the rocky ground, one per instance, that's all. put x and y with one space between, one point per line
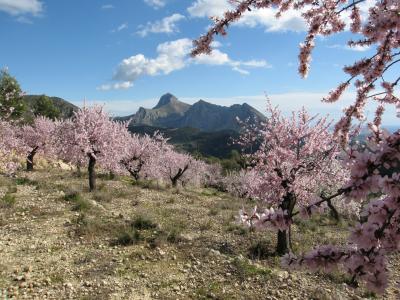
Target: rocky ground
125 241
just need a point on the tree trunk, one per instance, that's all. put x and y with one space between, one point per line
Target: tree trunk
335 214
29 163
78 170
174 180
92 173
134 174
288 203
282 244
29 160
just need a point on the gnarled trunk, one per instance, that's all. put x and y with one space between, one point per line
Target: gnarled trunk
92 173
174 180
29 159
335 214
283 244
134 172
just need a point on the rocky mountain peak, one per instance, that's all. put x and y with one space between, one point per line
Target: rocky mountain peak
166 99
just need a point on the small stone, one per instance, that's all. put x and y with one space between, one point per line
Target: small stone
87 284
68 285
28 269
176 288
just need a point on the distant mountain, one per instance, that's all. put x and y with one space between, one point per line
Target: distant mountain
66 108
168 111
172 113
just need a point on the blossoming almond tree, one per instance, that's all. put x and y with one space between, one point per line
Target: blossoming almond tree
91 135
376 168
139 152
37 138
173 165
292 166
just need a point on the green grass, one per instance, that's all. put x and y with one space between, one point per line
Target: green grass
244 269
143 223
128 237
261 249
79 203
25 181
7 201
72 196
101 196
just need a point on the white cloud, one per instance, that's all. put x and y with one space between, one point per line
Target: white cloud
166 25
290 21
356 48
24 20
116 86
216 57
241 71
120 28
107 6
208 8
256 64
22 7
156 4
173 56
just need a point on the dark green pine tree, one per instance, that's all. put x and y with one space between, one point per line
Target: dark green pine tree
12 105
45 107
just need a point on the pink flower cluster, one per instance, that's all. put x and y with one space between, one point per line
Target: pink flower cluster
277 219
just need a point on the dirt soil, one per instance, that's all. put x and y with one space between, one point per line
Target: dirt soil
143 241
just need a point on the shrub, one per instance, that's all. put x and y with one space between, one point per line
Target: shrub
244 269
128 237
143 223
25 181
7 201
72 196
260 250
102 196
80 203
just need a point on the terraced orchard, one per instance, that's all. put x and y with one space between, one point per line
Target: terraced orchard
146 241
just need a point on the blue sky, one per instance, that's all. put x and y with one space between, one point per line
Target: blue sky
127 53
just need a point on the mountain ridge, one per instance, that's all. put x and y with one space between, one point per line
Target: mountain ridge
173 113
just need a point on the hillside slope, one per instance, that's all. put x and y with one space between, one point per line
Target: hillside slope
217 143
66 108
128 242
